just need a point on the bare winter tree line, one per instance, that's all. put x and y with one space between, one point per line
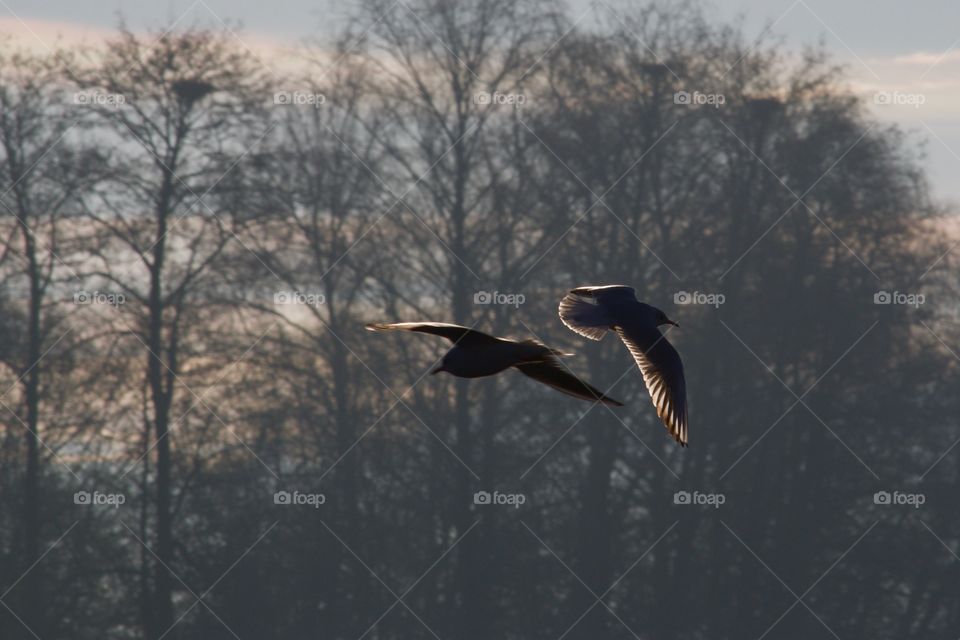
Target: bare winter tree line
201 441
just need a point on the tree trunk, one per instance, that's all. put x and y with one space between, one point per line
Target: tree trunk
32 587
161 397
595 553
339 593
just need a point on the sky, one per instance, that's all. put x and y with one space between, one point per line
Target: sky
908 52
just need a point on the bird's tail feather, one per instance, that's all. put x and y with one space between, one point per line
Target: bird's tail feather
586 318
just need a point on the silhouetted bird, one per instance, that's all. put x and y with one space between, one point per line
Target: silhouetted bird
591 311
475 354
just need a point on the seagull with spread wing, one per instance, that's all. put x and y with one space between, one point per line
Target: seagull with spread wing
592 311
476 354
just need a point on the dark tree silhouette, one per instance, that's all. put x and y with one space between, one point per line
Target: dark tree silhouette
285 474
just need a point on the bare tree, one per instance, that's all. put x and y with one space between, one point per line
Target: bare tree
443 73
184 108
44 174
448 148
316 198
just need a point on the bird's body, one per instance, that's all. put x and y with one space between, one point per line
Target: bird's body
475 354
592 311
499 355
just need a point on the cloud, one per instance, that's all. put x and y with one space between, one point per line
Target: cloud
43 36
927 58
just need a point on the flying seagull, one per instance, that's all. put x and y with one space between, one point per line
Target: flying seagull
591 311
475 354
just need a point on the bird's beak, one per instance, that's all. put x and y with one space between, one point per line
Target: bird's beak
437 370
676 324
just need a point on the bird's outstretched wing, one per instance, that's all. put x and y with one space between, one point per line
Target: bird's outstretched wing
452 332
554 374
583 316
662 372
